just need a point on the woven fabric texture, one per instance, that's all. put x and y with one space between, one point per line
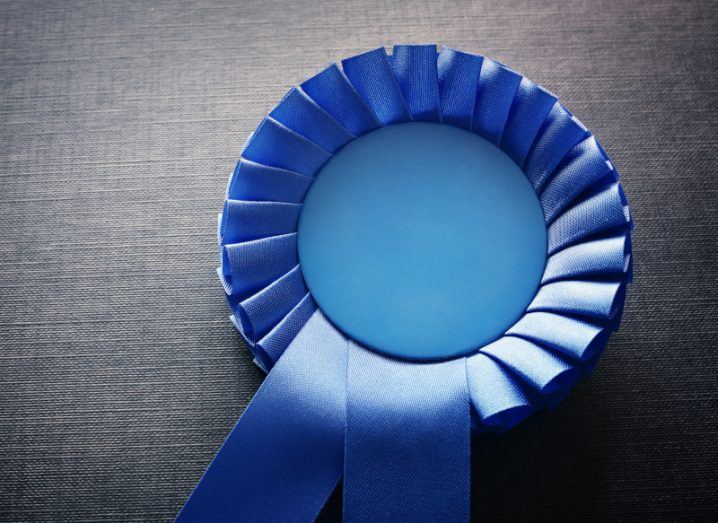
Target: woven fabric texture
120 122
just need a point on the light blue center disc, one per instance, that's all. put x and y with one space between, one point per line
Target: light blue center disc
422 241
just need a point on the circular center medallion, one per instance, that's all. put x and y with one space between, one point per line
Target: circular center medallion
422 241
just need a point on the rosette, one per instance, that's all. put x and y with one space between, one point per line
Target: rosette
373 377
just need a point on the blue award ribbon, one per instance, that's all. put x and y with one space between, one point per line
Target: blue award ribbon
398 430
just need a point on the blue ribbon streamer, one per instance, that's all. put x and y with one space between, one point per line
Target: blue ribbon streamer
407 440
284 457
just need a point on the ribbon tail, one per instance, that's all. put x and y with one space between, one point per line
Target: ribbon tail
407 448
284 457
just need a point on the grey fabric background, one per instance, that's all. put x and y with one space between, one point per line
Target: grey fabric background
120 122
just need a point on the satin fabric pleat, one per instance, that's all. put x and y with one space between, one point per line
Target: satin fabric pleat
407 451
371 75
415 69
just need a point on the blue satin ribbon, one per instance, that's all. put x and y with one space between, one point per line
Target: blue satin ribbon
401 437
407 444
399 431
284 457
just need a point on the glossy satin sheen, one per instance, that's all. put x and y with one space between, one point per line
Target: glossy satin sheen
422 241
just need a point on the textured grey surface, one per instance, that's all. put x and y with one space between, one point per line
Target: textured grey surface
120 374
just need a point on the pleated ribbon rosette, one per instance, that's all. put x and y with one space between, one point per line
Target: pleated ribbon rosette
397 431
